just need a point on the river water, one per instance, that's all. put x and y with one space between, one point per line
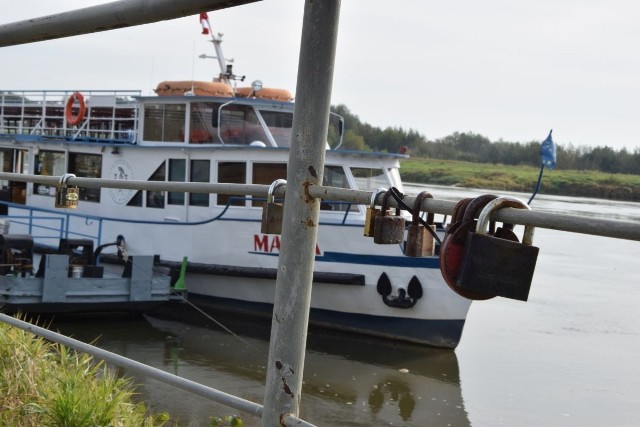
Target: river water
567 357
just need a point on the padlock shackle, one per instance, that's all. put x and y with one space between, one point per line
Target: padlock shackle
273 187
64 178
417 206
459 209
476 205
501 203
374 196
385 203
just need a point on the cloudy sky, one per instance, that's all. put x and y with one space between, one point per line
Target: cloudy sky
503 69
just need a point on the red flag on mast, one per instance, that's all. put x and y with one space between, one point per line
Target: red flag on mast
204 21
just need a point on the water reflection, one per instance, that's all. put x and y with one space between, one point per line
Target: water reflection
348 380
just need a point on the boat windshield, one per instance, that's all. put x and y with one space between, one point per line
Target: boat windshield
368 179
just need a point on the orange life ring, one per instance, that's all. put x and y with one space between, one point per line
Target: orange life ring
68 113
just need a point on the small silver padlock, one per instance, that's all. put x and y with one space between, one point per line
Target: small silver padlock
272 212
67 196
419 240
388 229
372 213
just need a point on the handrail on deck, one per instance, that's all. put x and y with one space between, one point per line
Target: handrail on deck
42 114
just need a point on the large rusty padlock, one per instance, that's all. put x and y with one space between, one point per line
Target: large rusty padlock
420 242
67 196
372 213
453 245
272 212
496 266
388 228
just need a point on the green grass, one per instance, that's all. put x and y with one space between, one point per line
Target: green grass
46 384
521 178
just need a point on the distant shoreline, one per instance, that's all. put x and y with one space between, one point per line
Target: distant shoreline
572 183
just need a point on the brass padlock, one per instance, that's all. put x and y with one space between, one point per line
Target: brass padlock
272 212
388 229
420 242
372 213
67 196
498 266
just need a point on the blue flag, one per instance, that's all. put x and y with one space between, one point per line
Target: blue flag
548 152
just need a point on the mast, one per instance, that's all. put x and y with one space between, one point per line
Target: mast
226 70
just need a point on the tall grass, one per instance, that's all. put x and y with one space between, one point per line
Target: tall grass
46 384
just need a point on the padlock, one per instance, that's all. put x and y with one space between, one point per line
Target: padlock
420 242
271 211
453 245
372 213
496 266
388 229
67 196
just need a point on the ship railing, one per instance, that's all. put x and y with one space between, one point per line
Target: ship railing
48 226
111 116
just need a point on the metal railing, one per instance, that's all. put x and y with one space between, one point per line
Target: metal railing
593 226
111 115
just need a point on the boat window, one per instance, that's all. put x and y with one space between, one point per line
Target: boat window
266 173
396 180
368 179
200 172
239 125
155 199
6 165
164 122
280 125
136 200
86 166
334 176
232 173
48 163
177 173
204 123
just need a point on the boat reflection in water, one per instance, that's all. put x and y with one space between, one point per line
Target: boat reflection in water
348 380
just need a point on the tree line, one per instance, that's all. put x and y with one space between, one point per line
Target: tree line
472 147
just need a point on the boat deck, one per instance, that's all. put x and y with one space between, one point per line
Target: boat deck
110 116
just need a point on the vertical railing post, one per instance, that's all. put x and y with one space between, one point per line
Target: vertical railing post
301 212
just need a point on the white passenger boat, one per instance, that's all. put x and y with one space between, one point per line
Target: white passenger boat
214 132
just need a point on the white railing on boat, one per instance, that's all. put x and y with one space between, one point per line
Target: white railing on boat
110 115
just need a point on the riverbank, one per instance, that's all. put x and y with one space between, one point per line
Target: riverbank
522 179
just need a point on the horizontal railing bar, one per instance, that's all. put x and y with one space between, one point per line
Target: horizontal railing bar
158 374
594 226
104 17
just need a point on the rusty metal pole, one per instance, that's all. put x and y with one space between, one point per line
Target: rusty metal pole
301 212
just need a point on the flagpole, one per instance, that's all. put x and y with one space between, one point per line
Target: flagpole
535 191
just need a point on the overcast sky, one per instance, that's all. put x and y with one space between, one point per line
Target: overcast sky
503 69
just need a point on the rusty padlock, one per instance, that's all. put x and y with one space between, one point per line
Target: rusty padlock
420 242
453 245
388 229
67 196
496 266
372 213
271 211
